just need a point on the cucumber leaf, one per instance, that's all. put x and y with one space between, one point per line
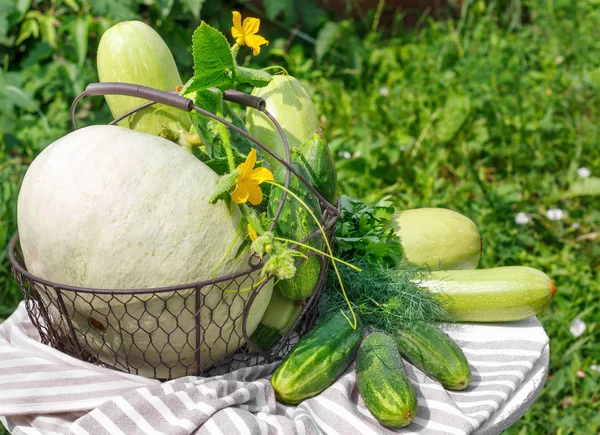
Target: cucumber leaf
255 77
213 62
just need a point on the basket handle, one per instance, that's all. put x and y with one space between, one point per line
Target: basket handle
171 98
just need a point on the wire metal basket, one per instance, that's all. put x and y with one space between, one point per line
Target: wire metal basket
201 328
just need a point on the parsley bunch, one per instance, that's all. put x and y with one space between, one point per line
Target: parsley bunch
364 231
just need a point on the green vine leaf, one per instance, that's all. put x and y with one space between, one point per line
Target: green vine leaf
255 77
213 62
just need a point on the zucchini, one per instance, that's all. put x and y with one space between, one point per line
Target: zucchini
315 155
292 107
383 382
317 360
499 294
295 223
280 316
133 52
438 238
433 352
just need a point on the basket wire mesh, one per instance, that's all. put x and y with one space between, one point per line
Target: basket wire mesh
202 328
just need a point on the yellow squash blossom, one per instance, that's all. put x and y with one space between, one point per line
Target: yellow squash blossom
247 184
246 33
252 233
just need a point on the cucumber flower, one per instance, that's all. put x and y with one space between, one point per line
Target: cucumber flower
246 33
252 233
247 184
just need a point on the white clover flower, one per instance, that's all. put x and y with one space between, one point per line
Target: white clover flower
584 172
522 218
595 368
346 155
384 91
577 327
555 214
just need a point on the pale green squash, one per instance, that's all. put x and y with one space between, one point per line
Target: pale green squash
111 208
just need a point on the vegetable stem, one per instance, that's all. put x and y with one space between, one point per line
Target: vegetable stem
225 138
312 248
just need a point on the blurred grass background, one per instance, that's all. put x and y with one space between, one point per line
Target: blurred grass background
490 108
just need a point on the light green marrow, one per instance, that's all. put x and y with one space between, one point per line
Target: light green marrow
292 107
438 238
133 52
280 316
498 294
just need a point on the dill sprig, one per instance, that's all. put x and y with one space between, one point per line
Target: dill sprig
386 298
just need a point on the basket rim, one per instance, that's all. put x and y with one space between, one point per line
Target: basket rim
12 247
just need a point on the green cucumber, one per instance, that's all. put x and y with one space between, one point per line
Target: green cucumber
133 52
317 360
383 382
295 223
280 316
433 352
438 238
292 107
315 155
499 294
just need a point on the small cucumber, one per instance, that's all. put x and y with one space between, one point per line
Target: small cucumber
317 360
434 353
499 294
295 223
383 382
315 155
438 238
277 320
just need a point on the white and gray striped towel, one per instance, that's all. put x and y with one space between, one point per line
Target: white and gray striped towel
43 391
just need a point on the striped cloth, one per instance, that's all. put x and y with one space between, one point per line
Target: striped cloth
43 391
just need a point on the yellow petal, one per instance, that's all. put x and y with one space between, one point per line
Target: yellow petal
260 175
246 167
240 194
254 194
251 159
237 31
237 21
243 169
252 233
255 41
251 26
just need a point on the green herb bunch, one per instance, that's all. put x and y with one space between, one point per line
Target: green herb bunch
383 294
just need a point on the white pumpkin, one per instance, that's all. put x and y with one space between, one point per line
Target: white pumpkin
105 207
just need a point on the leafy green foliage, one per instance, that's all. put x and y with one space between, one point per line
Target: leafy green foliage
364 231
213 61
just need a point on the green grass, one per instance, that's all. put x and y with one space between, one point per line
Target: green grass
489 114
